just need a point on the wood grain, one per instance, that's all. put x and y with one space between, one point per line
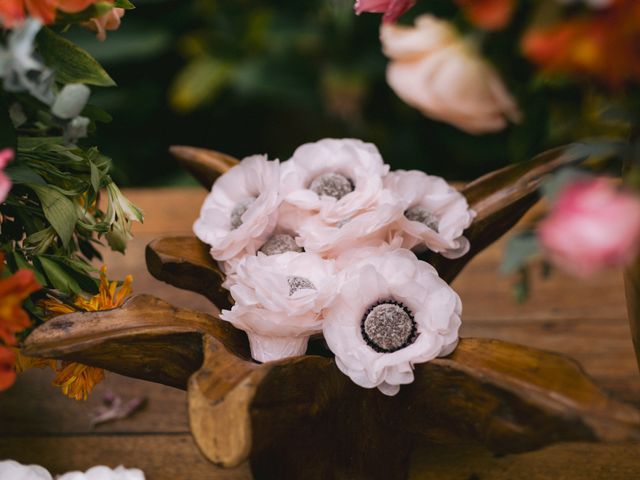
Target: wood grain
632 289
204 164
507 397
185 262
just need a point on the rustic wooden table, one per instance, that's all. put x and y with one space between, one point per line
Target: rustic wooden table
586 321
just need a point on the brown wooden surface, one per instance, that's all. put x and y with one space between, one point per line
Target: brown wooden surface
584 320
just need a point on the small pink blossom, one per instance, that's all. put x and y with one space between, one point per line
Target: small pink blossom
108 21
593 225
392 9
6 155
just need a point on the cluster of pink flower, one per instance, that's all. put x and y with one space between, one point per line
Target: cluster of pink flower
322 243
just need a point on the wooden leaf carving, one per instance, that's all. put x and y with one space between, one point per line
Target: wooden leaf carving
205 165
289 417
500 199
145 338
185 262
632 292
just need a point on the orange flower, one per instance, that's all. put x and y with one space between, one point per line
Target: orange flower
77 380
13 291
24 363
13 12
7 372
604 45
488 14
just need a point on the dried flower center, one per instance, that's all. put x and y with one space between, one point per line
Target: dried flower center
299 283
419 214
238 211
388 326
280 243
332 185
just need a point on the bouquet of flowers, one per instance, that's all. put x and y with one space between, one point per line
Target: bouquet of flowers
51 219
323 243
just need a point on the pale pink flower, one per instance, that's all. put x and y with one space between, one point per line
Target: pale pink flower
108 21
436 71
335 178
435 214
368 228
279 301
592 225
241 212
391 312
6 155
392 9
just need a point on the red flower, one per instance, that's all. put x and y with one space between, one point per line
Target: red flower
392 9
7 370
488 14
13 12
603 45
13 291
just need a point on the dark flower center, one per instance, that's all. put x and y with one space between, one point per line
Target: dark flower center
299 283
388 326
419 214
238 211
332 185
280 243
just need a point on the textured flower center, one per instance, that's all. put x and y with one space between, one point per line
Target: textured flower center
299 283
238 211
332 185
280 243
388 326
419 214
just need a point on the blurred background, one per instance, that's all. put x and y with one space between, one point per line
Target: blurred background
264 76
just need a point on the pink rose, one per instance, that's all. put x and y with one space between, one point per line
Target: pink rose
6 156
392 9
592 225
108 21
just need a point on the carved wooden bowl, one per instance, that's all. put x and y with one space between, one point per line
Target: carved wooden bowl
300 417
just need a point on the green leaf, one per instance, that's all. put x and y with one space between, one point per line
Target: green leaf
71 63
21 174
519 250
7 132
21 263
58 276
59 211
96 114
95 177
126 4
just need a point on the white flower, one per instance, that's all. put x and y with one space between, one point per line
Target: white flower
241 212
435 214
369 228
20 68
12 470
120 215
436 71
336 178
105 473
392 311
279 301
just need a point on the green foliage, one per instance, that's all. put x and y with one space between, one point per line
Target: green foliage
71 63
51 221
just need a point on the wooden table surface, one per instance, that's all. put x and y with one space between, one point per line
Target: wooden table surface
585 320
